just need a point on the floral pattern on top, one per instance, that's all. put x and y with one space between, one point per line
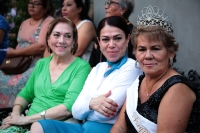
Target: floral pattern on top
10 85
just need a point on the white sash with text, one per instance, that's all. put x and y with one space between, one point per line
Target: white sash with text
141 124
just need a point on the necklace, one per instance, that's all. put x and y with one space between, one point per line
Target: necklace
148 93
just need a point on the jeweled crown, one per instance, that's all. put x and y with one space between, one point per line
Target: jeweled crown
154 16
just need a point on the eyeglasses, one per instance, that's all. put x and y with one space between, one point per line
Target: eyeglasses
111 2
34 4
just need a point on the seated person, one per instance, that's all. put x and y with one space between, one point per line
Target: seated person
75 11
31 42
4 29
122 8
55 82
86 30
161 100
104 91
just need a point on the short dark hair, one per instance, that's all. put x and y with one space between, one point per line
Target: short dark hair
155 33
67 21
115 21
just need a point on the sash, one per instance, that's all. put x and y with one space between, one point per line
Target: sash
141 124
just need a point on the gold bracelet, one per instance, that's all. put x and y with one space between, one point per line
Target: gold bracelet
20 106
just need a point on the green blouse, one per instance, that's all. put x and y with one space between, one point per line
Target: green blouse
42 94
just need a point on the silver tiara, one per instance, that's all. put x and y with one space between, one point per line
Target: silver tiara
154 16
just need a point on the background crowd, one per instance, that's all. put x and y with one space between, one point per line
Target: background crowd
120 71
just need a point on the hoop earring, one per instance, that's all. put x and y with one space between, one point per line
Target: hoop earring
171 61
136 66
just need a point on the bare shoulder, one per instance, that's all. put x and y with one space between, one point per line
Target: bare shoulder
182 90
48 19
87 26
175 109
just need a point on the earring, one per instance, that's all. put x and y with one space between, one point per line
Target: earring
171 61
136 66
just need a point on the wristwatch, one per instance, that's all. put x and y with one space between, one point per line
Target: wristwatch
43 115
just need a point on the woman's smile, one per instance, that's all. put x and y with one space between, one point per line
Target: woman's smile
61 47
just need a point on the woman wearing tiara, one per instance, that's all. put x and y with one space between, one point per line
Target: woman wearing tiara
161 100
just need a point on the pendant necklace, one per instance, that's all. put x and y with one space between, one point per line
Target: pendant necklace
148 93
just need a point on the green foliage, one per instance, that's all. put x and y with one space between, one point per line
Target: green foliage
22 14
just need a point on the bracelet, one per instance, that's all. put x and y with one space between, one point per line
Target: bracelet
20 106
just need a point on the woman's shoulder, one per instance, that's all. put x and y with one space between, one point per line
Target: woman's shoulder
181 79
49 18
176 84
4 23
86 20
129 63
101 64
178 79
130 60
27 21
42 63
84 23
80 62
44 60
3 19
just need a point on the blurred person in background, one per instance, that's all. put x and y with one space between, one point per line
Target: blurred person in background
75 11
31 42
4 29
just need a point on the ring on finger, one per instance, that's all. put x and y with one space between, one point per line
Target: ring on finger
10 117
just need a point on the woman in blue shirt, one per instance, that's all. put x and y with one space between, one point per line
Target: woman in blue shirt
4 29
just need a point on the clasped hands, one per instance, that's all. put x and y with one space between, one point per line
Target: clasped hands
13 120
104 105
